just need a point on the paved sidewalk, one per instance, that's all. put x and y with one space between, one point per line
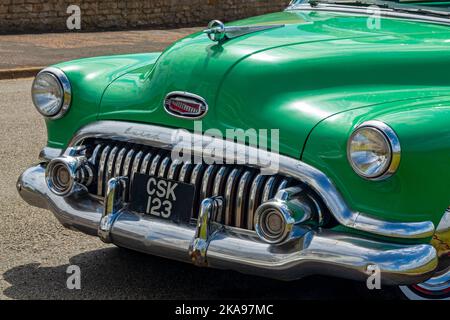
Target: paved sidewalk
26 52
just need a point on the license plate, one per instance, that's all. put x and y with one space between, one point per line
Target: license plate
162 198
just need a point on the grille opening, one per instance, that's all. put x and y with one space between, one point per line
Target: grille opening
243 187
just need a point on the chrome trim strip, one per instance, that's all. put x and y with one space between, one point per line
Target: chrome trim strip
318 252
219 186
155 164
164 166
101 171
229 194
283 185
207 180
127 163
82 177
146 162
136 165
119 162
90 175
220 180
162 137
95 155
364 12
174 169
110 164
269 189
195 176
185 172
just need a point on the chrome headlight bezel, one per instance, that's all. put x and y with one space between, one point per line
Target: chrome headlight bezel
392 141
66 90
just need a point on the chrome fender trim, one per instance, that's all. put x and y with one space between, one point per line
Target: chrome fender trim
167 138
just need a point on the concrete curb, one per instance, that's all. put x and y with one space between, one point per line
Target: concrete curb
19 73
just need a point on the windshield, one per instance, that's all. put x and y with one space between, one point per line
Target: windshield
431 5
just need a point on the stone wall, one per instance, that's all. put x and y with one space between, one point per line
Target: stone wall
17 16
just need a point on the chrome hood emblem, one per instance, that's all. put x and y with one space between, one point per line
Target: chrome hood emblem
185 105
218 32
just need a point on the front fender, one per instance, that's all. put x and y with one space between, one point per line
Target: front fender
420 190
89 79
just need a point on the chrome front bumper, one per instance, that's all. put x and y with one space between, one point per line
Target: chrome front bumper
317 252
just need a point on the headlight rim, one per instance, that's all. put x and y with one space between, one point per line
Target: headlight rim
393 142
66 89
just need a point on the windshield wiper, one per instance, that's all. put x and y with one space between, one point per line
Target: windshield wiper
384 5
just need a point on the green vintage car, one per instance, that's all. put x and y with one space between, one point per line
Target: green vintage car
310 141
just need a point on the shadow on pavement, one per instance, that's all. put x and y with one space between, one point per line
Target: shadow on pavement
115 273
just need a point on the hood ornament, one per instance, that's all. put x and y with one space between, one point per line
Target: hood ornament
217 31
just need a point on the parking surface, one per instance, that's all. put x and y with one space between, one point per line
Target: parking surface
35 250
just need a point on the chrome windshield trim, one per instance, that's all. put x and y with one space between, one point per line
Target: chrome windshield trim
165 138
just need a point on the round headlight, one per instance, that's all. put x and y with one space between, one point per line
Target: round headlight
51 93
374 150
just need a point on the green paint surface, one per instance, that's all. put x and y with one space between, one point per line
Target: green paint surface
315 79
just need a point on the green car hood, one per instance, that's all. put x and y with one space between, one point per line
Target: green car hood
288 78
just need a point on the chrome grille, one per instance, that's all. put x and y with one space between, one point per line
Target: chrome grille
242 187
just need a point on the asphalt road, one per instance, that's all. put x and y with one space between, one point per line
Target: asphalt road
35 250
